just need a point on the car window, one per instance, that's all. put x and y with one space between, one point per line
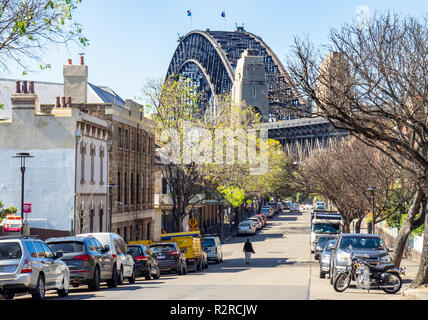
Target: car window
10 250
30 248
135 251
48 252
208 243
162 248
98 244
40 252
67 246
92 245
369 243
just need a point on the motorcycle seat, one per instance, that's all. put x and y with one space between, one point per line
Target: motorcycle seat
382 267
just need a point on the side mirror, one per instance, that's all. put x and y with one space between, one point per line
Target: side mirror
59 255
106 248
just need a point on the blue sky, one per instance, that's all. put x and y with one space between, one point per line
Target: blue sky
132 40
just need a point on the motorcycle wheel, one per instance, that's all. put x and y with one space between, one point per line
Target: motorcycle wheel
395 280
342 281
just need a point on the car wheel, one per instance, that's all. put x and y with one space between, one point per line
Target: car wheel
94 285
63 292
148 275
120 280
112 283
7 296
39 292
131 279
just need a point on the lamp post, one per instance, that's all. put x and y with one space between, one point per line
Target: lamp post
373 190
22 156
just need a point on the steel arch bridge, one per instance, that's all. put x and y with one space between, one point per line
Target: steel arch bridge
209 59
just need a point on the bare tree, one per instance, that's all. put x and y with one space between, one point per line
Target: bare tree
374 84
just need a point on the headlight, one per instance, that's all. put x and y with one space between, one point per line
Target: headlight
343 258
385 259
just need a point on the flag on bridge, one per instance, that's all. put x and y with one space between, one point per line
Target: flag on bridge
223 14
189 13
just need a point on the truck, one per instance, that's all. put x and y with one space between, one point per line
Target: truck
190 244
322 224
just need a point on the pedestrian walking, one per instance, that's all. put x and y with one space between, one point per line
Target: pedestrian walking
248 250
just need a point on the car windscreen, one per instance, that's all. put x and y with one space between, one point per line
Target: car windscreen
162 248
245 224
208 243
135 251
67 247
323 240
10 251
368 243
326 228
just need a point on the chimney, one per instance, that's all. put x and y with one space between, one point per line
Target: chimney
69 102
76 81
82 60
23 101
57 102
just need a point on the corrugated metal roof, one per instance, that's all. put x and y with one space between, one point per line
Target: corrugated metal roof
48 91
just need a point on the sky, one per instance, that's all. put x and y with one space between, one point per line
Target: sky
134 40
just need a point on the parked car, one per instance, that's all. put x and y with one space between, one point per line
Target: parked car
362 245
28 265
246 227
212 246
258 223
88 261
319 246
274 207
264 219
170 257
294 207
325 256
125 266
267 210
146 264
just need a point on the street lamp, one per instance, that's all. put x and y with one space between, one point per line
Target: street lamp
22 156
373 190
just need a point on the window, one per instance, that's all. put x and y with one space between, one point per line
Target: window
119 137
101 219
118 188
138 189
92 245
132 188
91 221
164 186
101 165
138 142
125 182
82 162
98 244
10 251
92 163
31 250
48 252
67 247
40 252
125 234
126 140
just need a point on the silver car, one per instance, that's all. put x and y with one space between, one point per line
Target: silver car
28 265
246 227
324 258
212 246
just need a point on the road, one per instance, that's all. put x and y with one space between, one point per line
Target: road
282 269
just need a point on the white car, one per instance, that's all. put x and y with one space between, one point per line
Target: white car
212 246
246 227
259 224
125 265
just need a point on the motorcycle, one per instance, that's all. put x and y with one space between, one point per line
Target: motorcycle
367 276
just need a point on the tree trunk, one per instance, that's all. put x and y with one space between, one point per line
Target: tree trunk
406 228
358 225
422 275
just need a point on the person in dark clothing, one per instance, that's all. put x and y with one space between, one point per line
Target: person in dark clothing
248 250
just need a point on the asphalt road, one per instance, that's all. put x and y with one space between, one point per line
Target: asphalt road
282 269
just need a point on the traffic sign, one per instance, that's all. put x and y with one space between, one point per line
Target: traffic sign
27 207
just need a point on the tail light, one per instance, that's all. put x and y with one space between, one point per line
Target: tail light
84 257
174 253
250 228
141 258
114 255
215 250
26 267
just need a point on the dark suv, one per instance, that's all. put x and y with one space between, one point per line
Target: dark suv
146 263
89 262
170 257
